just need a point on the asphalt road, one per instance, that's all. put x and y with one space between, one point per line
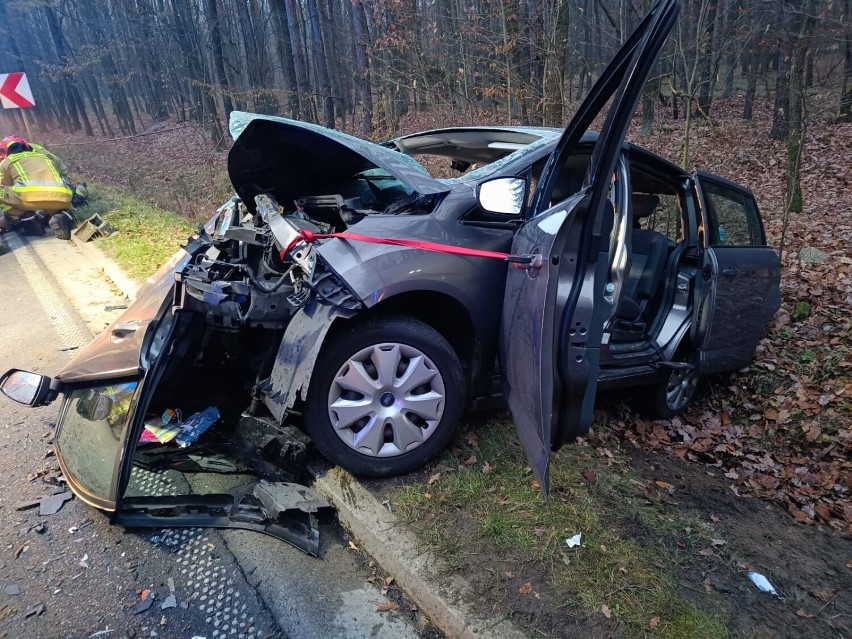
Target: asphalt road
73 574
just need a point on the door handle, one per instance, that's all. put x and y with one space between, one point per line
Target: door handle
731 271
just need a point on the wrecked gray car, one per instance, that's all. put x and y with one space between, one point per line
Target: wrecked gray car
347 294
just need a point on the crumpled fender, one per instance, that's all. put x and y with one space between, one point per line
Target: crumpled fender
297 355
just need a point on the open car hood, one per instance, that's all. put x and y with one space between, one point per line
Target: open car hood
289 159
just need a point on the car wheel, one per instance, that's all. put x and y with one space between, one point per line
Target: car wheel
675 392
385 396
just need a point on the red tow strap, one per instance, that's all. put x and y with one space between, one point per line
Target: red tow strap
309 236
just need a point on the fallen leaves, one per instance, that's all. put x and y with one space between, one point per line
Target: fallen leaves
590 475
526 588
653 623
387 606
606 612
434 478
487 468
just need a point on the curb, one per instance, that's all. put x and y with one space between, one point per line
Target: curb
113 271
422 575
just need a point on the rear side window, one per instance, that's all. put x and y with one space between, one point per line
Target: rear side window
665 218
733 217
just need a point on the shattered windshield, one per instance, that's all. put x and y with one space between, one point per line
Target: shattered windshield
487 169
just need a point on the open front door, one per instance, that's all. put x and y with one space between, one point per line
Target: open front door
555 310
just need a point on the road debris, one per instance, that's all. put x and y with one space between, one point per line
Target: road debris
148 598
169 602
51 505
762 583
575 541
12 589
84 562
35 611
100 633
26 505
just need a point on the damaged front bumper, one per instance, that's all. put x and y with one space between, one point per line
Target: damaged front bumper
234 276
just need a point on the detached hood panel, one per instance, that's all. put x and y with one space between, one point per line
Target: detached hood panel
290 159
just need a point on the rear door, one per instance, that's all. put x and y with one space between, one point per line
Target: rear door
741 275
554 312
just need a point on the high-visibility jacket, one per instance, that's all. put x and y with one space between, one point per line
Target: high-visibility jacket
34 180
57 161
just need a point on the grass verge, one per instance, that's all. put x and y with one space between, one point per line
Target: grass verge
483 503
146 235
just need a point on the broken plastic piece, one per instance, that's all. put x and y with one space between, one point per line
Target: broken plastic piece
762 583
575 541
196 425
284 496
51 505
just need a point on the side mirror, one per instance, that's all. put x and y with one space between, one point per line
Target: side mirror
503 195
29 389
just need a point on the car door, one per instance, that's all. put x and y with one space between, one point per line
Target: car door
555 309
739 290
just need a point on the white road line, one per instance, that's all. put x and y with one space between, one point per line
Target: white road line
69 331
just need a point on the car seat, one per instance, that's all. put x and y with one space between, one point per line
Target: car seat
647 268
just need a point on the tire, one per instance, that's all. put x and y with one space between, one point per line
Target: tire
675 392
366 368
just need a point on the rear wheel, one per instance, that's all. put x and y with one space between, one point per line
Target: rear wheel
385 396
675 391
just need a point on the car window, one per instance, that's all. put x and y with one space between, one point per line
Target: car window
733 217
666 217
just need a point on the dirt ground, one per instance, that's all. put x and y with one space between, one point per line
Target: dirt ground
811 568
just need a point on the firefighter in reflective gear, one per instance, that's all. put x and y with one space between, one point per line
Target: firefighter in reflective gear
57 161
30 181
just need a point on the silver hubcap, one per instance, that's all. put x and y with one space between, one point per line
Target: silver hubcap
386 400
680 389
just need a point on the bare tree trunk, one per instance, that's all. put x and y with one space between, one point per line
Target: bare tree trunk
298 52
218 60
754 58
844 113
554 67
781 110
359 20
321 64
795 137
